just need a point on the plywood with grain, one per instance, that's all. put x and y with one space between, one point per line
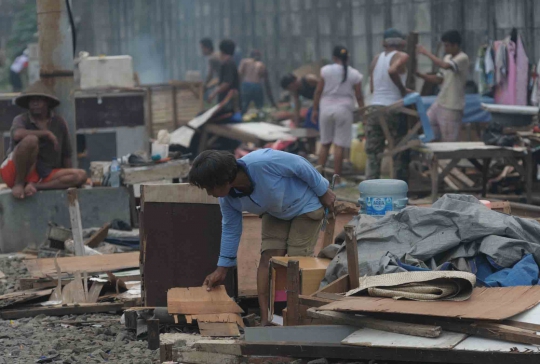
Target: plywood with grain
198 300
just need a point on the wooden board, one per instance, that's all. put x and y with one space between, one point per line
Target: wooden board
98 236
170 170
197 300
176 193
218 329
484 304
370 337
43 267
219 317
306 263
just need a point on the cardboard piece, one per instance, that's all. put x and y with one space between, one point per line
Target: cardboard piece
197 300
370 337
484 304
44 267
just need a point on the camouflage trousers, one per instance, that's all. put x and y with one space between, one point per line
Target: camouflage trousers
376 142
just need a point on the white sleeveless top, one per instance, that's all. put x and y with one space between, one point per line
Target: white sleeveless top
385 92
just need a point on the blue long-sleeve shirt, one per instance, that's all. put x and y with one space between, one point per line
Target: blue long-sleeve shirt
284 185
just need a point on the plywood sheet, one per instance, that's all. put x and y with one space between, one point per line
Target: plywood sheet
376 338
306 263
43 267
218 329
219 317
484 304
197 300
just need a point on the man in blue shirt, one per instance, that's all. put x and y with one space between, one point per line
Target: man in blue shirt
284 188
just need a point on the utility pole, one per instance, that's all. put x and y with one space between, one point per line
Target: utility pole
56 60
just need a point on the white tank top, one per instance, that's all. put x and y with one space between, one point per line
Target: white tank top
385 92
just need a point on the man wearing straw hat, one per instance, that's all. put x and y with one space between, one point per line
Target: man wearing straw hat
39 155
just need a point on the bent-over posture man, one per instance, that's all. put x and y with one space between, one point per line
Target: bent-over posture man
39 156
284 188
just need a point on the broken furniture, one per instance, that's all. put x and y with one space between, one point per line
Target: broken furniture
26 222
180 240
171 105
411 139
475 151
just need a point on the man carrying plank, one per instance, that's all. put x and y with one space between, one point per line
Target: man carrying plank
283 188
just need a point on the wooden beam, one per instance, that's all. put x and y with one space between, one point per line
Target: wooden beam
339 318
366 353
77 309
153 334
98 236
412 41
76 222
293 291
340 285
352 257
328 234
313 301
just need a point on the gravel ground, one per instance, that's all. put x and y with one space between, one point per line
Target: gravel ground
96 338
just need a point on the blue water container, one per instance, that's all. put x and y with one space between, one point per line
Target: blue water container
380 196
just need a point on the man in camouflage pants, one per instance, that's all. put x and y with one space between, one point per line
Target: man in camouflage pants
375 144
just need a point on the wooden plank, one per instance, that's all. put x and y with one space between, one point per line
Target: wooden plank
218 329
153 334
313 301
293 291
339 318
328 234
44 267
163 171
352 257
78 309
76 222
176 193
412 41
305 263
166 352
197 300
98 236
365 353
219 317
370 337
484 304
340 285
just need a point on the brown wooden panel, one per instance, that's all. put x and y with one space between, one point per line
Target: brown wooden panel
182 243
111 112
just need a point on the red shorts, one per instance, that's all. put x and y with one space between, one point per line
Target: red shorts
8 173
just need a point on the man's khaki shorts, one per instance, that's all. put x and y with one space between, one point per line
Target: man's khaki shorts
297 236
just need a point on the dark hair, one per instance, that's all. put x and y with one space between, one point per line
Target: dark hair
342 53
207 43
287 80
227 46
213 168
452 37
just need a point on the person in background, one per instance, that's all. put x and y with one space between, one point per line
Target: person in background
253 74
283 188
388 75
214 63
39 154
305 87
17 67
338 88
446 113
229 79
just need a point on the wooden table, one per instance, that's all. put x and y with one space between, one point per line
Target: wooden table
258 133
475 151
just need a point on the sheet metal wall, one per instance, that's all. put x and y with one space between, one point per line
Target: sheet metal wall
163 35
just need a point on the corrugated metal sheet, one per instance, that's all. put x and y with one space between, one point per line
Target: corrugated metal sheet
163 35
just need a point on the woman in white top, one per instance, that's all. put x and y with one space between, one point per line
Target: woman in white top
339 86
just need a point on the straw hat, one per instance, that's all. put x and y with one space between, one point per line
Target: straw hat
38 88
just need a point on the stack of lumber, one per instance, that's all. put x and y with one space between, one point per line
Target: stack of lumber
214 311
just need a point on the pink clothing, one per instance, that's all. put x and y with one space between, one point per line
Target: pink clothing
522 77
505 93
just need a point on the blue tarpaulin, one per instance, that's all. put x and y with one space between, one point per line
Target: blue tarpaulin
473 112
523 273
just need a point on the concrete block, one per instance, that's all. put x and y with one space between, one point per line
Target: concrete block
24 223
229 347
201 357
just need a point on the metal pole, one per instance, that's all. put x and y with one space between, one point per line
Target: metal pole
56 61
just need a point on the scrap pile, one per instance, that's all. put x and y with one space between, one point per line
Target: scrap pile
74 285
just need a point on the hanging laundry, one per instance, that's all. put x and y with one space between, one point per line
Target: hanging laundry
535 96
522 73
480 70
489 66
505 63
501 62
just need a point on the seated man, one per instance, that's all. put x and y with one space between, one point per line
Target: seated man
283 188
39 155
305 87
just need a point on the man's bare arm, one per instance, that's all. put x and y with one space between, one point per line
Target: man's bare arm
430 78
398 62
436 60
269 90
359 95
318 93
371 69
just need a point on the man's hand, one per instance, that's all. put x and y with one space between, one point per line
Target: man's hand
54 140
314 116
328 200
216 278
420 49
